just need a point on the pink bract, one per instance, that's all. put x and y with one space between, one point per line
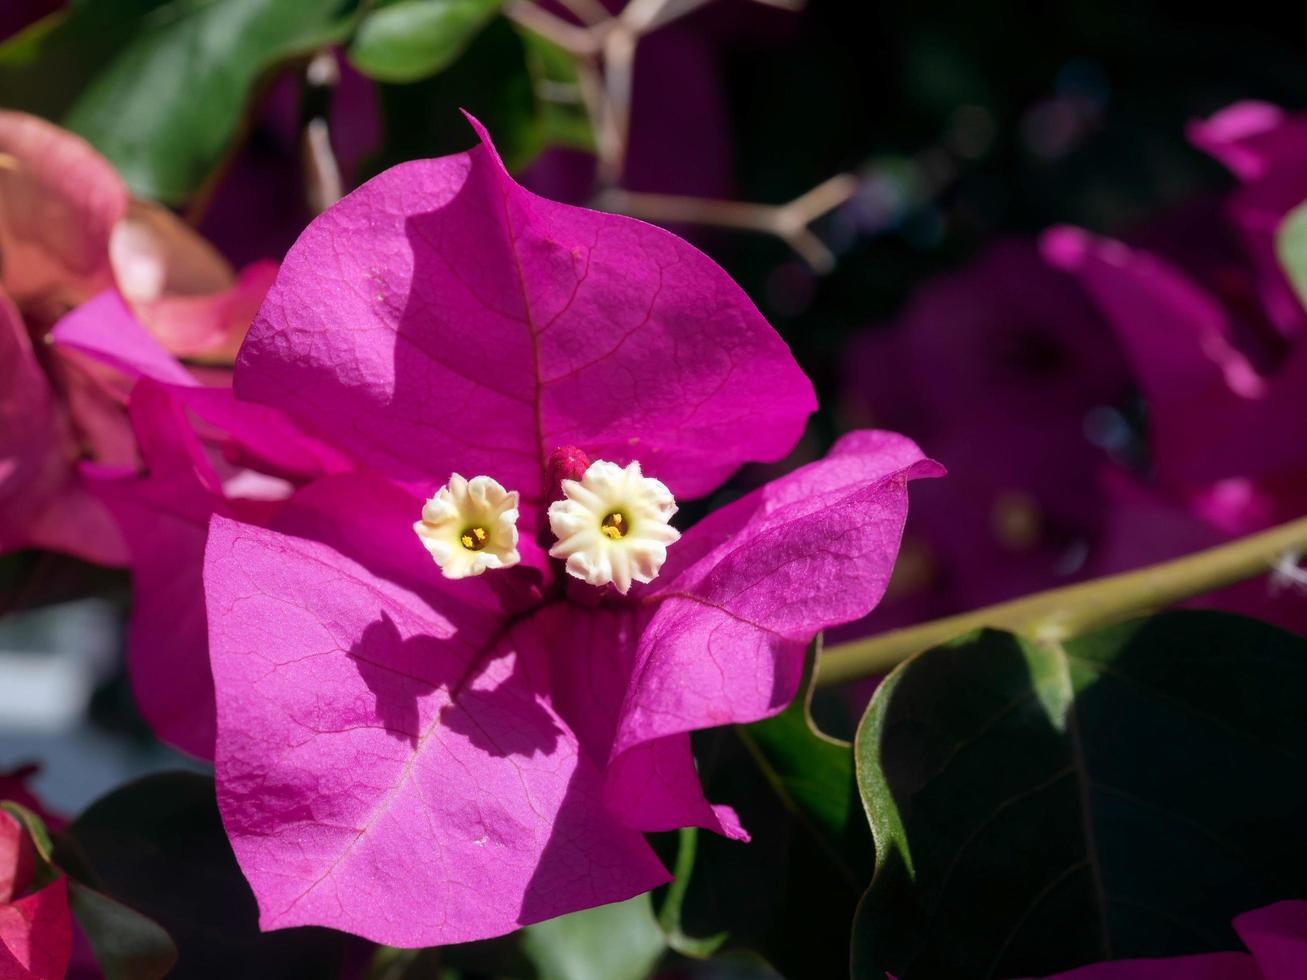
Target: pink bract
35 928
201 452
1226 438
424 761
1276 938
67 231
995 368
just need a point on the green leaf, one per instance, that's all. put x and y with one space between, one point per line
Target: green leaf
161 88
790 894
158 845
670 913
491 81
408 40
620 941
1037 807
813 774
127 945
1291 248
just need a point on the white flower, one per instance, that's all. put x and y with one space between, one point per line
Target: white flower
470 526
613 525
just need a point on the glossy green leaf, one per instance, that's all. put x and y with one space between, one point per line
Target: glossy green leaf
789 895
408 40
1123 795
161 88
620 941
1291 248
157 844
812 773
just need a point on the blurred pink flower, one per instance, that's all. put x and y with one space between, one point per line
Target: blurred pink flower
997 370
1227 431
1275 936
200 452
1266 149
424 760
67 231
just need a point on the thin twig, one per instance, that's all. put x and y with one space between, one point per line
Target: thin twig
592 13
788 222
1061 614
580 42
323 184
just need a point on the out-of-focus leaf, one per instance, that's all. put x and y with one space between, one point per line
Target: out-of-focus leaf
408 40
127 945
160 88
621 941
1291 248
560 109
789 895
491 81
1036 807
158 844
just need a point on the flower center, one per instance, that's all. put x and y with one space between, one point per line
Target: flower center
475 538
615 526
470 526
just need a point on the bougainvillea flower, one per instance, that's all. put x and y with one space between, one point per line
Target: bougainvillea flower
424 760
1275 936
201 452
996 369
1266 149
1226 438
67 231
35 927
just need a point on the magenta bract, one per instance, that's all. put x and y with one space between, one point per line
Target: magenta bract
1276 938
422 760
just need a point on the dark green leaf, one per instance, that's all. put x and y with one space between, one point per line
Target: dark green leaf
620 941
813 775
791 892
160 88
1124 795
409 40
671 912
493 83
127 945
158 845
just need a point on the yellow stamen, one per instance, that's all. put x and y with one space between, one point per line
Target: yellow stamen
474 538
612 526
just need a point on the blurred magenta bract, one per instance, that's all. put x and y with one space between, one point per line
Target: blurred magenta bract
1220 360
1276 938
35 927
68 230
420 760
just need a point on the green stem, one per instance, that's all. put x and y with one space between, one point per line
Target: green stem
1061 614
